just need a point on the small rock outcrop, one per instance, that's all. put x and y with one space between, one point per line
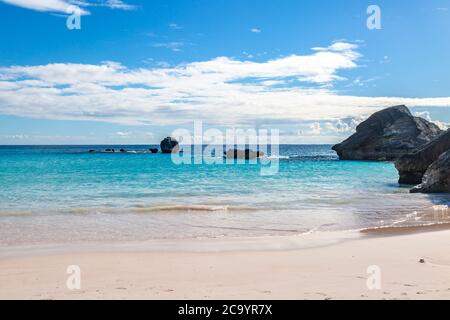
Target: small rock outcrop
387 135
437 177
170 145
153 150
243 154
412 167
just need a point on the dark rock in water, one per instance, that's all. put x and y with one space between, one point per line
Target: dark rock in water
110 150
123 150
153 150
243 154
387 135
91 151
169 145
412 167
437 177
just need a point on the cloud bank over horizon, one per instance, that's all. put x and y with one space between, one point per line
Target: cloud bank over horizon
220 91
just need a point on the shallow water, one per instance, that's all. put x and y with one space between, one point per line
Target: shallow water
65 194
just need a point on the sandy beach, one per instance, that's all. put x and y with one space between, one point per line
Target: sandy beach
270 268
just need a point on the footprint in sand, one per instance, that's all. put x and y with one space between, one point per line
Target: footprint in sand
318 293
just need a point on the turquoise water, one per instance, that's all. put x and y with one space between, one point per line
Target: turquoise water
65 193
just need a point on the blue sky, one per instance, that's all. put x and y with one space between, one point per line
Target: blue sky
139 69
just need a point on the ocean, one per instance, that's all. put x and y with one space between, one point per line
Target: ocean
59 194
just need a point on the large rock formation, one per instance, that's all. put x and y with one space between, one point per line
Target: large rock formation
243 154
437 177
412 167
170 145
387 135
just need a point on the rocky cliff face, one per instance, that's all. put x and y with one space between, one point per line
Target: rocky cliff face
387 135
437 177
412 167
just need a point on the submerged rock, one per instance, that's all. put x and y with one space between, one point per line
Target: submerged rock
243 154
437 177
412 167
170 145
387 135
153 150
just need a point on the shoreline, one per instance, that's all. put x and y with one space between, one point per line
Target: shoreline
307 240
237 269
405 230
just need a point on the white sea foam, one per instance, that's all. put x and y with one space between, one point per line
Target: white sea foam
440 208
192 208
273 157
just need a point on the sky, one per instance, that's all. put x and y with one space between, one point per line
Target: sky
136 71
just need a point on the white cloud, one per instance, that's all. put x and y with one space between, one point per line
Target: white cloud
360 82
343 126
270 83
426 115
385 60
68 6
123 134
255 30
118 4
60 6
15 137
339 127
315 129
218 91
174 46
338 46
175 26
442 125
